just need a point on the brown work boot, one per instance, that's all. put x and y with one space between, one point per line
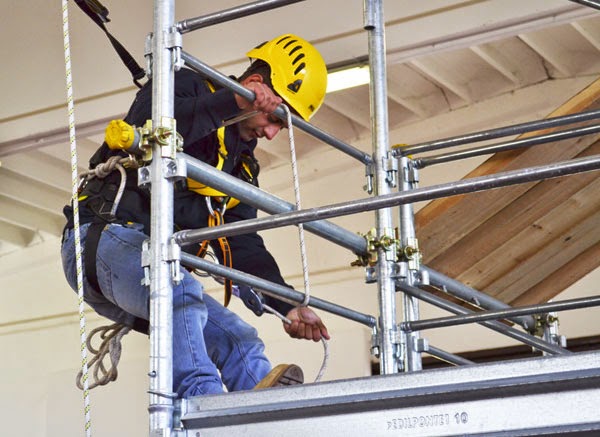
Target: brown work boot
283 374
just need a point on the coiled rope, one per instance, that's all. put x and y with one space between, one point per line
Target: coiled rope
111 336
74 186
106 168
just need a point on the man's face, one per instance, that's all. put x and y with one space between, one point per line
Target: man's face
260 125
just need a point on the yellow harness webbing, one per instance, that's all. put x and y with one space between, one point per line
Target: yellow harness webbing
215 220
222 154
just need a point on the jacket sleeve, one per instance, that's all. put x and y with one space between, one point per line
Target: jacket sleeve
250 255
198 111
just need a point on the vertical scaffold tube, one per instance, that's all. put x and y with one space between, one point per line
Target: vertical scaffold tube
161 226
408 239
388 347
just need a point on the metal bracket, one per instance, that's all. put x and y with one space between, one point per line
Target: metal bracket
411 175
173 41
398 339
420 344
375 342
172 255
146 259
390 165
176 169
148 54
546 327
144 177
370 175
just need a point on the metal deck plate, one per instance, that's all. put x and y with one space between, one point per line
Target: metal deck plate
527 397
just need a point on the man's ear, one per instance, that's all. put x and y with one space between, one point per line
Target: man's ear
253 78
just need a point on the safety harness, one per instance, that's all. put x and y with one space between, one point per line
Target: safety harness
216 216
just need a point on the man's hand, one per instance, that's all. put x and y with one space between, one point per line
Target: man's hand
305 324
266 100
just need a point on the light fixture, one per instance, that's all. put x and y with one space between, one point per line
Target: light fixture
347 78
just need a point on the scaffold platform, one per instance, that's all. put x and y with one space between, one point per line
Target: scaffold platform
542 396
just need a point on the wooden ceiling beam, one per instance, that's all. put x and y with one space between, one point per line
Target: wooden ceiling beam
445 221
565 246
505 264
562 278
526 209
466 237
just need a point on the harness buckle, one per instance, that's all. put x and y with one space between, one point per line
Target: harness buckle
211 210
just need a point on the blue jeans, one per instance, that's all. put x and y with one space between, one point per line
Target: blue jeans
207 337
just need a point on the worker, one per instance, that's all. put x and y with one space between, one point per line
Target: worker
213 347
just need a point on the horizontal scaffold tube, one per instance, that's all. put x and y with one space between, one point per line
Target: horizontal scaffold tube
447 356
253 196
427 193
591 3
509 145
275 290
441 322
492 324
466 293
231 14
298 122
498 132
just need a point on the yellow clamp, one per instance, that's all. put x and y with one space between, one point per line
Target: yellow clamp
373 244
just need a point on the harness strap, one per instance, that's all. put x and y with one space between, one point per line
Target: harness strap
216 219
99 14
89 254
92 240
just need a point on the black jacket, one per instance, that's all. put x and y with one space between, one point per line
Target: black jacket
199 112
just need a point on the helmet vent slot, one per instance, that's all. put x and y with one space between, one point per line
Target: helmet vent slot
294 50
287 44
299 68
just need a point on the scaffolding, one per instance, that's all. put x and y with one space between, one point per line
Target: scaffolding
469 399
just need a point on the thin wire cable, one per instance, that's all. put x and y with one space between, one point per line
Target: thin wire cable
302 243
74 186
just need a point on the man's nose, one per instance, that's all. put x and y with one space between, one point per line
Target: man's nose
271 131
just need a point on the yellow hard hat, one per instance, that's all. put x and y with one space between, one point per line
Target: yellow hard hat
298 72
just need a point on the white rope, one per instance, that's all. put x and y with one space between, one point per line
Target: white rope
303 255
298 206
74 186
